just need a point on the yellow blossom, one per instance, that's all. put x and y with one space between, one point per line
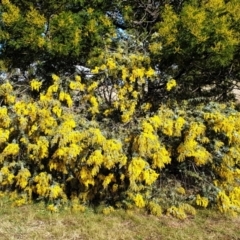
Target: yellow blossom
55 78
20 202
135 94
201 201
5 120
12 15
78 78
155 209
4 135
150 73
52 208
125 73
95 70
57 110
68 100
11 149
171 84
96 158
90 10
111 64
179 123
150 176
108 210
139 201
136 167
35 84
146 106
72 85
224 203
181 190
177 212
107 180
61 96
10 99
92 87
23 177
55 191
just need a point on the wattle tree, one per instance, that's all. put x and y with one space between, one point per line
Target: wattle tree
122 103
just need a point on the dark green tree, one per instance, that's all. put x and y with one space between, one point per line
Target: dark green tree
194 42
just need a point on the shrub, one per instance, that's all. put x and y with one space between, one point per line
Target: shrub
54 150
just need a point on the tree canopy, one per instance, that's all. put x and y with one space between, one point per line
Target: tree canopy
194 42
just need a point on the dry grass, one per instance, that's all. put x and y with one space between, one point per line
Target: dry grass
35 222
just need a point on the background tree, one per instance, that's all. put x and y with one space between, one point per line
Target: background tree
55 35
195 43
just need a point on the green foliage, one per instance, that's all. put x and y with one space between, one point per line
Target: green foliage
56 34
195 43
198 45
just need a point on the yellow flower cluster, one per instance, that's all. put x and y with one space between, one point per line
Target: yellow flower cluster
167 29
63 96
38 150
224 202
4 135
20 201
188 209
181 190
92 87
77 85
22 178
149 176
107 180
147 144
134 70
234 197
55 191
182 211
226 124
139 171
136 167
12 15
113 153
201 201
165 121
177 212
171 84
76 206
94 108
85 177
6 91
191 148
35 84
6 176
108 210
34 17
96 158
52 208
229 203
12 149
155 209
139 201
5 120
42 181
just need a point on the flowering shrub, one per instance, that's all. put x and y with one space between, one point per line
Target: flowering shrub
55 150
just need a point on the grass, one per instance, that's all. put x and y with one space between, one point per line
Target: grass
35 222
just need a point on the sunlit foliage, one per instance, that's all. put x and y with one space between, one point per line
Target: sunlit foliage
126 131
